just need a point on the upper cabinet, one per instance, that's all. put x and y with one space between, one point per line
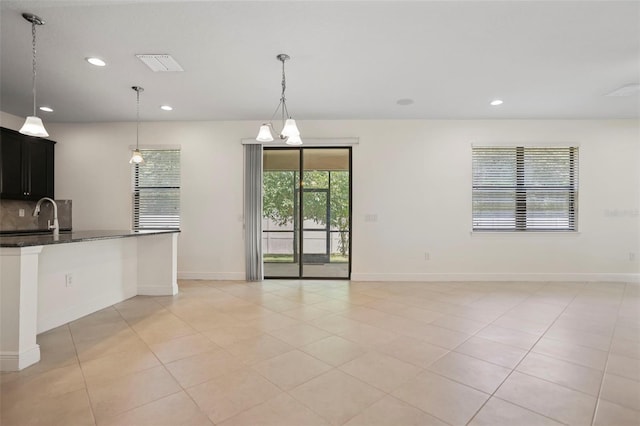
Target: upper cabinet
26 166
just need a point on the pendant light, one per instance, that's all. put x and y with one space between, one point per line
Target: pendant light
290 133
33 125
136 157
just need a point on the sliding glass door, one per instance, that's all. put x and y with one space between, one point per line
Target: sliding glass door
307 222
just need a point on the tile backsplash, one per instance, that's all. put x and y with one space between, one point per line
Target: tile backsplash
10 219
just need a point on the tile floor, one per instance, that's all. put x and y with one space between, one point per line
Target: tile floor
337 353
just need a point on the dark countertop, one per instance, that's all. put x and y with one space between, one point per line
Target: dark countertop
40 239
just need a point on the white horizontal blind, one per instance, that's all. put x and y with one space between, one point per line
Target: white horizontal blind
156 190
525 189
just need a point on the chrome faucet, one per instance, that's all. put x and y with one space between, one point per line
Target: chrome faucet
55 226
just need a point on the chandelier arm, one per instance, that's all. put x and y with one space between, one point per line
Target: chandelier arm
275 112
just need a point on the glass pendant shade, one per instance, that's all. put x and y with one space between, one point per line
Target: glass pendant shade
136 157
33 127
264 135
290 128
294 140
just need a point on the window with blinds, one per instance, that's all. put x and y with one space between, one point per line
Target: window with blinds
525 189
156 190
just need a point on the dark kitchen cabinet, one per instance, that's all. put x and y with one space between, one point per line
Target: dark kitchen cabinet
26 166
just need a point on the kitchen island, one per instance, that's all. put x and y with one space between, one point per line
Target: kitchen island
47 282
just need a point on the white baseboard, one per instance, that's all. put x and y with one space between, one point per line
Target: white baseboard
216 276
13 361
549 277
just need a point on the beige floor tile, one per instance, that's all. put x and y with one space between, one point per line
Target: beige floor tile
230 394
367 315
66 409
443 337
334 350
624 366
50 383
306 313
333 305
470 371
507 336
278 304
56 351
493 352
419 314
624 347
103 316
511 321
390 411
203 367
587 357
382 371
291 369
582 338
208 320
621 391
272 322
108 367
229 335
334 323
413 351
366 335
498 412
549 399
564 373
138 307
164 329
124 393
256 349
95 330
609 414
463 325
336 396
182 347
247 313
401 326
445 399
173 410
282 410
300 335
123 341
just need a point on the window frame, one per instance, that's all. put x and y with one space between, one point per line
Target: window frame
521 189
135 190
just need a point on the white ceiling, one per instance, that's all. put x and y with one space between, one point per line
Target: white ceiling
350 59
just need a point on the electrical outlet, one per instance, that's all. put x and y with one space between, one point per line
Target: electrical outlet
632 257
21 212
68 279
427 256
371 217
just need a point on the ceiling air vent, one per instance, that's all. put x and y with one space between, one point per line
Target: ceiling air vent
160 63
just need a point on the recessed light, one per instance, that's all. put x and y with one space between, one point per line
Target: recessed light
495 102
46 109
166 108
405 101
96 61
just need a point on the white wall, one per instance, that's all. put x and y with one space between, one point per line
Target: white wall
415 175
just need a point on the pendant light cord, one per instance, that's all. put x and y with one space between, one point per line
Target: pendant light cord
33 77
137 116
